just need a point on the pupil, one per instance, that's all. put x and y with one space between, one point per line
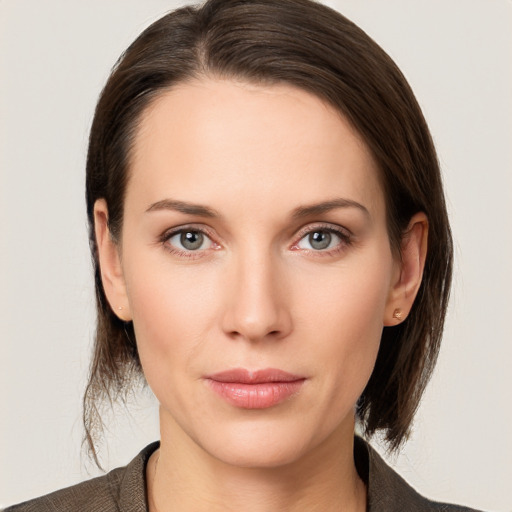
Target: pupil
191 240
320 239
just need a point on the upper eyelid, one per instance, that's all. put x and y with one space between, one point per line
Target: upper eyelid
326 226
344 234
168 234
186 227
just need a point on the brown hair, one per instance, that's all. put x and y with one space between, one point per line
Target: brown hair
310 46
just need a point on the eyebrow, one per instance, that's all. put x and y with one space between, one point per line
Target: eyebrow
327 206
183 207
298 213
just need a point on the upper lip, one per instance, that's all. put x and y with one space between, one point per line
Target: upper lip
245 376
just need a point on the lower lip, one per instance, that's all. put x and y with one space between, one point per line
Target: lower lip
256 396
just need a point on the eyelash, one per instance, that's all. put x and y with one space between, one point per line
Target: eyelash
167 235
344 235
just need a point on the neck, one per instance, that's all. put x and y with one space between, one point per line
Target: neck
182 477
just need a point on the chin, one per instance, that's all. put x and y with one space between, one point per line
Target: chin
258 446
264 456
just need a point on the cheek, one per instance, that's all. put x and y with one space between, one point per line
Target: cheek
344 312
173 311
337 315
348 299
349 332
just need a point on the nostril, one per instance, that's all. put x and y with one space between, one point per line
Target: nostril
254 337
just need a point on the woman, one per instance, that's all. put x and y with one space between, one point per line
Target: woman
272 252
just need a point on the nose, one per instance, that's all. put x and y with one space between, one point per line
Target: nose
256 306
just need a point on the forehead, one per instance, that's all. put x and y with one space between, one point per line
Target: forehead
218 141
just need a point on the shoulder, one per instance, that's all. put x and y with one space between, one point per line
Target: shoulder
93 495
121 489
388 491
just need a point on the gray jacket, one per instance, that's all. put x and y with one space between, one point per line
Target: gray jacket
124 489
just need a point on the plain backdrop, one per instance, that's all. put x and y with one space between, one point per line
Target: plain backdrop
55 56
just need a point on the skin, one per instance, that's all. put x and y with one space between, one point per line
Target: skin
257 293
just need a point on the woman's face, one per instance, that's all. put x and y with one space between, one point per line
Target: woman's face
256 268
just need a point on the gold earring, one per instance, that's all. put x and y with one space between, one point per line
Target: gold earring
398 314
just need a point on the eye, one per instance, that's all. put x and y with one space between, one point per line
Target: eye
189 240
322 239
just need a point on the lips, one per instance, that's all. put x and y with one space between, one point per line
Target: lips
255 389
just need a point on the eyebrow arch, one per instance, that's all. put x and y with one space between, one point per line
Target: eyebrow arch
300 212
326 206
183 207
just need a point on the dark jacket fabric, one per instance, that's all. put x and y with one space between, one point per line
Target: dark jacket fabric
124 489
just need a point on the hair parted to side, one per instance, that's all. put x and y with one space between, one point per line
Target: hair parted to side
310 46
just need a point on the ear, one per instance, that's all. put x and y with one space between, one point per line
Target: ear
407 279
110 263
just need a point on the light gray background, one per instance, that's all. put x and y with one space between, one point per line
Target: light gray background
54 58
